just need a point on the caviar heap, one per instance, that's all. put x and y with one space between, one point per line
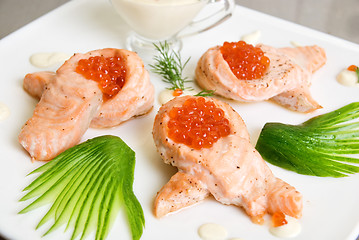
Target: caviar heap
278 219
246 61
109 72
353 68
198 123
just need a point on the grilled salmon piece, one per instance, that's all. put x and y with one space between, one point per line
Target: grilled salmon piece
231 170
288 77
136 97
70 102
182 190
35 83
311 58
63 113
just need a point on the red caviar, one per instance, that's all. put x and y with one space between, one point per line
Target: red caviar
278 219
109 72
198 123
353 68
177 92
246 61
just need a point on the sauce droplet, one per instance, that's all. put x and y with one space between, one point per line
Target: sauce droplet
4 111
291 229
348 78
251 38
167 95
44 60
212 231
295 44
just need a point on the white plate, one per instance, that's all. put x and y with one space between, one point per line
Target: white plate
331 209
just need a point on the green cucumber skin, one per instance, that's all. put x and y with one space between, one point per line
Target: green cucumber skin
322 146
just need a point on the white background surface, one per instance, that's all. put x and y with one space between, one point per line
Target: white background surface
330 205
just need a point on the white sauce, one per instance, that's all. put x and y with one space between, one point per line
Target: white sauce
44 60
158 19
167 95
212 231
348 78
289 230
295 44
252 38
4 112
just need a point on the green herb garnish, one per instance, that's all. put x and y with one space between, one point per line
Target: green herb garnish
357 72
87 185
205 93
322 146
169 65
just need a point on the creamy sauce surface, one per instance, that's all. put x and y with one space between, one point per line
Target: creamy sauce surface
289 230
158 19
167 95
252 38
44 59
295 44
348 78
4 112
212 231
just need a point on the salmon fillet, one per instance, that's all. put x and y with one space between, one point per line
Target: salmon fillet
232 171
136 97
286 81
70 103
35 83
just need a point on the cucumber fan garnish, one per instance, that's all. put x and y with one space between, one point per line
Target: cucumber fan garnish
87 185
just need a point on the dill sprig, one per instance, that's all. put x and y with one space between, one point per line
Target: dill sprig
169 65
205 93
